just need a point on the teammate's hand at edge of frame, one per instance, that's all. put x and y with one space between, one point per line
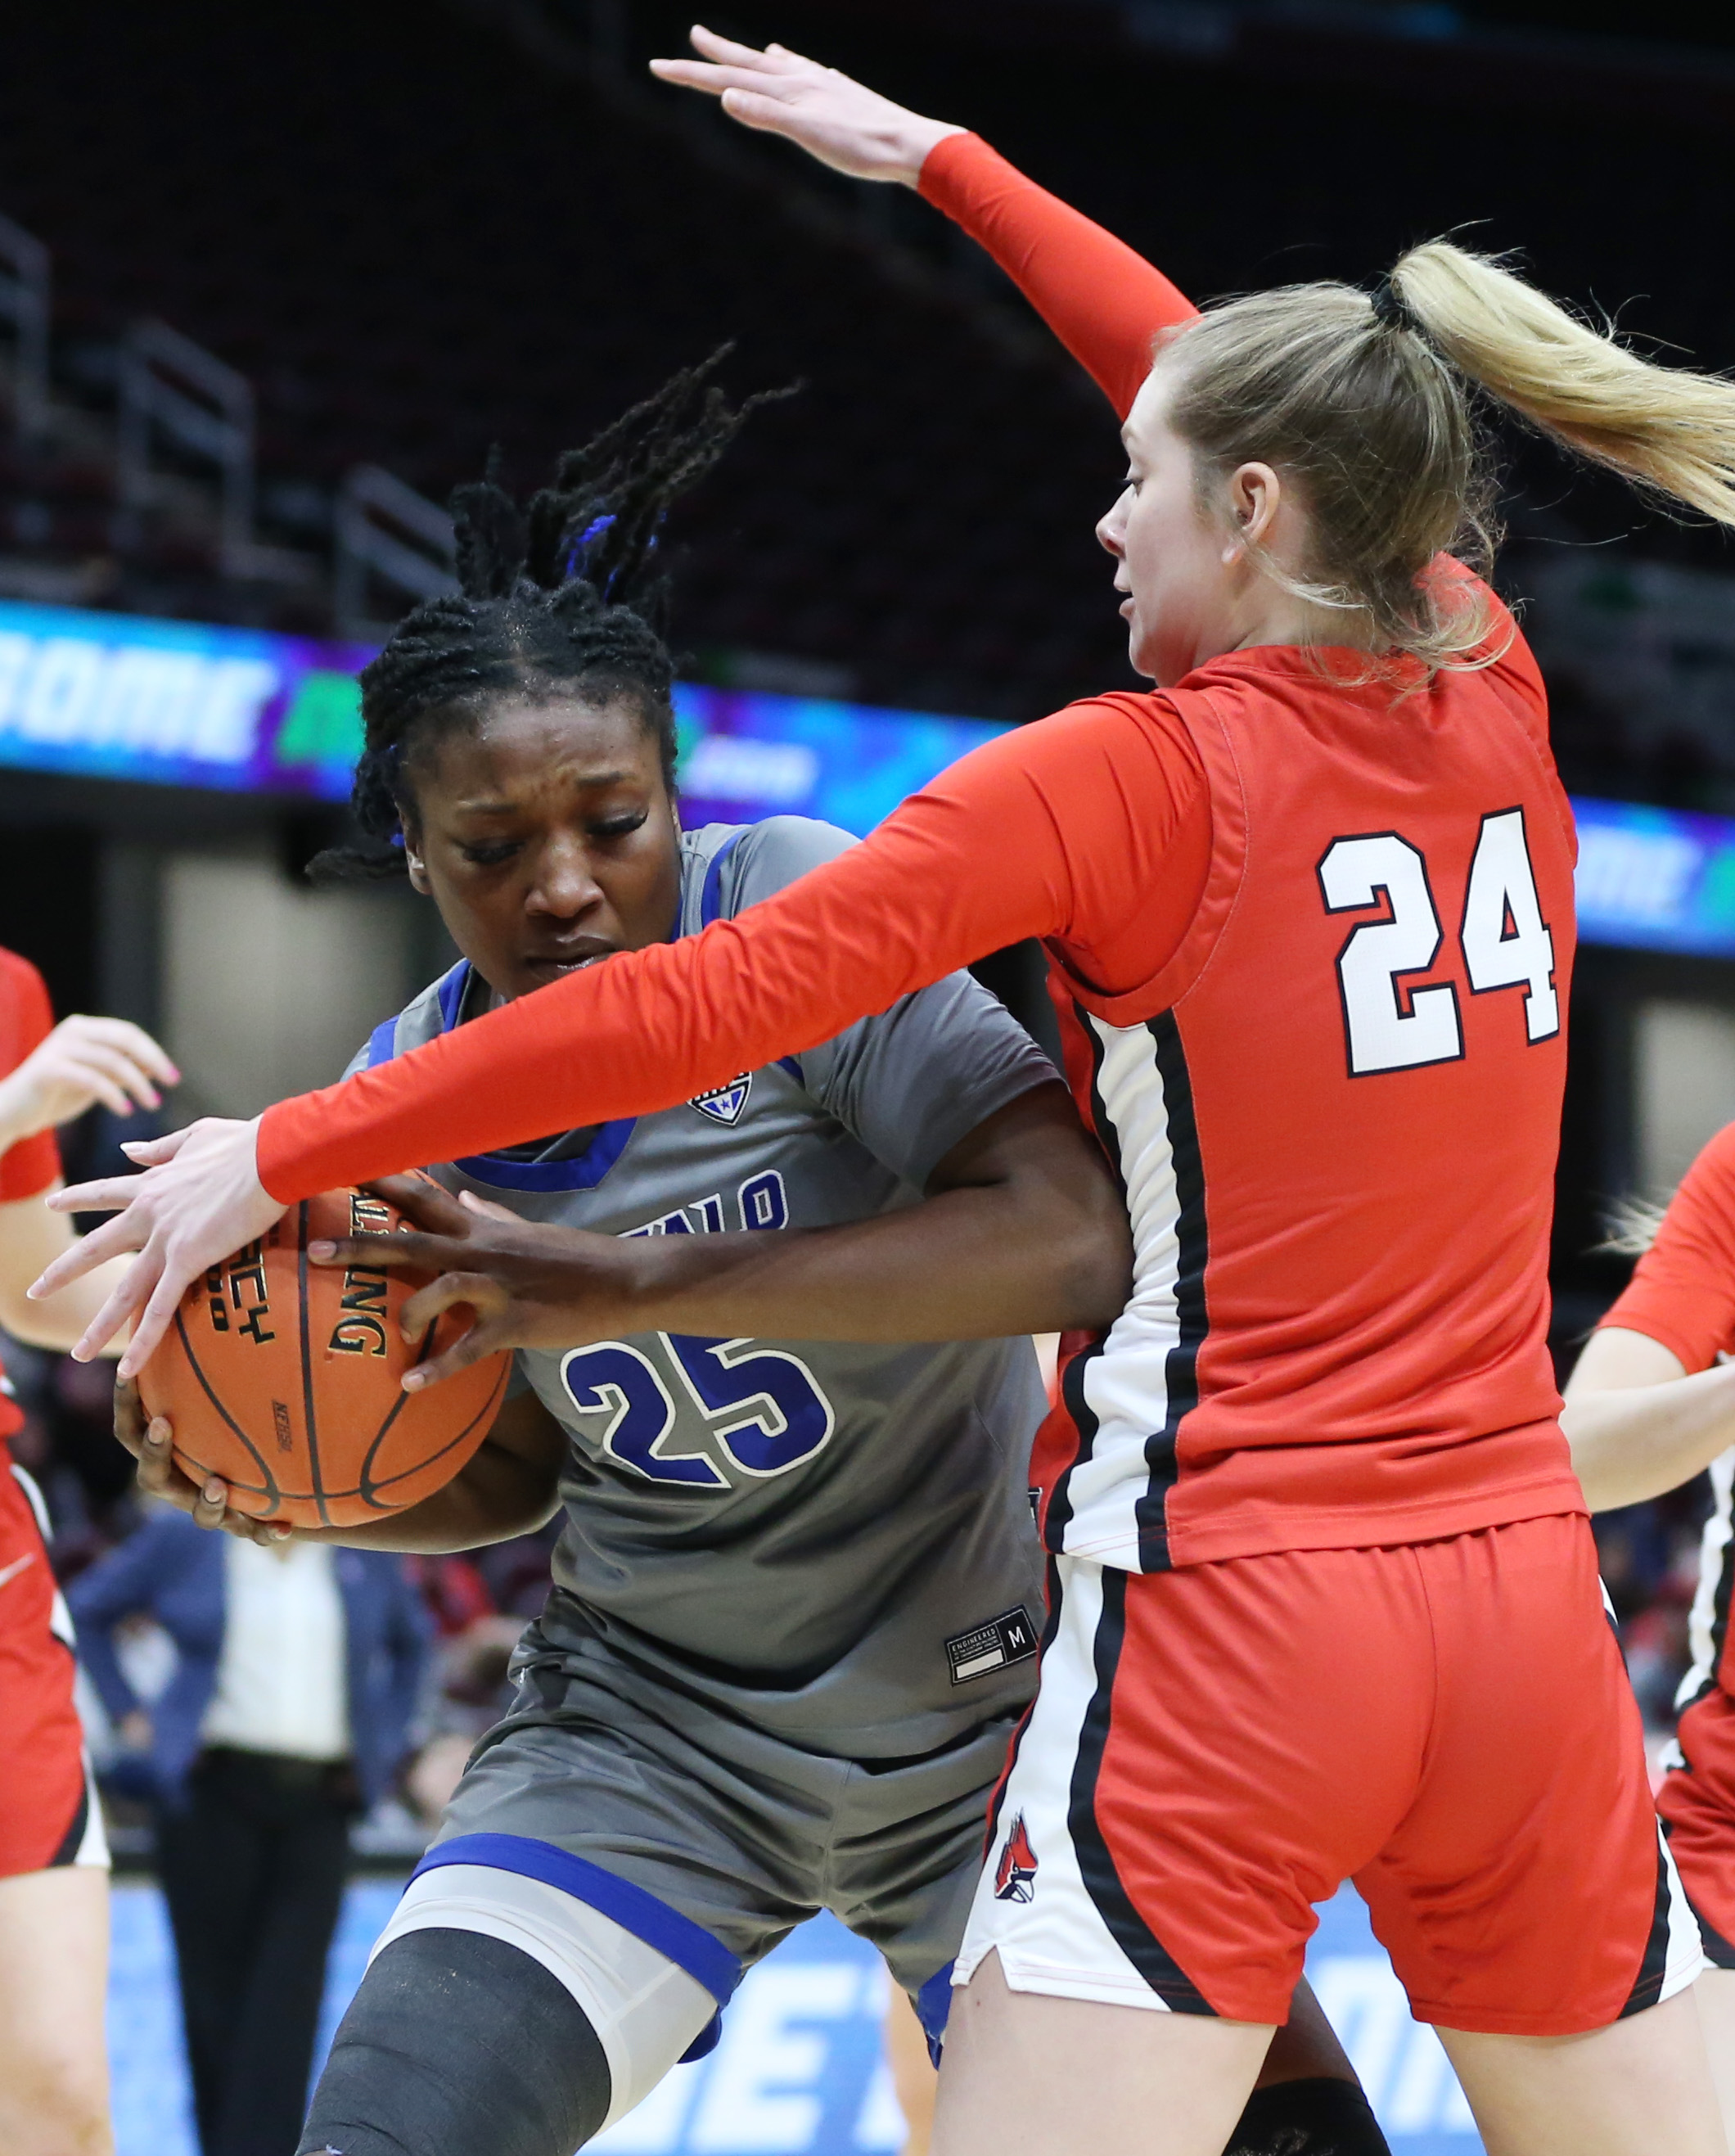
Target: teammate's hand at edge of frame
152 1444
83 1061
839 121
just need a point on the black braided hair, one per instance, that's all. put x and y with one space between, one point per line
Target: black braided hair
568 595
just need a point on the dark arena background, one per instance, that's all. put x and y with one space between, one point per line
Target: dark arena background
274 279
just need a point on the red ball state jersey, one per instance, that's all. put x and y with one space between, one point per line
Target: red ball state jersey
33 1163
1312 943
1335 1110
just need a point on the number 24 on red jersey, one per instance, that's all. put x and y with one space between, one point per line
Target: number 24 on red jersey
1388 1023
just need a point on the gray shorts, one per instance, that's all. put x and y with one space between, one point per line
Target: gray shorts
608 1814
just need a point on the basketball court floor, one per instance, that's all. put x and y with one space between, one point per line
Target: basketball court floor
798 2072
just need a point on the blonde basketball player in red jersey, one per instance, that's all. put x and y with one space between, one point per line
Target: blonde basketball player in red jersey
53 1863
1650 1404
1324 1601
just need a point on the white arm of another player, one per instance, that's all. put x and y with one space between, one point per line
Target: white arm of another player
1637 1422
32 1238
198 1199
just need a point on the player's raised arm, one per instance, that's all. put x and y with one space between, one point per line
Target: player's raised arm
1107 304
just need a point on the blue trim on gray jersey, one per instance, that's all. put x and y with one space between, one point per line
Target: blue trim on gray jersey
688 1945
452 987
383 1042
711 899
583 1171
711 902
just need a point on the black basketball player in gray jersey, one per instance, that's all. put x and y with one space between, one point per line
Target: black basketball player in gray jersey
780 1380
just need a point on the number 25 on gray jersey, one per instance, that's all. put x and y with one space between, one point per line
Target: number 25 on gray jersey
763 1405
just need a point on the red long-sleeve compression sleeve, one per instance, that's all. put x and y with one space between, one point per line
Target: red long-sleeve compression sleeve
1085 828
1106 303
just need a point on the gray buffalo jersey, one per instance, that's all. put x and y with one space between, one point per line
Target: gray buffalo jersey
831 1541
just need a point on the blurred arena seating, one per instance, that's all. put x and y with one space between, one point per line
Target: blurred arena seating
423 242
417 231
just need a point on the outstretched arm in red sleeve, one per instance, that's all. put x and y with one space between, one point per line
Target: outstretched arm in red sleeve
1106 305
1089 829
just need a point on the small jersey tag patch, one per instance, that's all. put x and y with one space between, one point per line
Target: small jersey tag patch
1010 1637
723 1104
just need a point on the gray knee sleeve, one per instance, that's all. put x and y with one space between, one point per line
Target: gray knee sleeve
456 2042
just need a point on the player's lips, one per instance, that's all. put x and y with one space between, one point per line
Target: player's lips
568 962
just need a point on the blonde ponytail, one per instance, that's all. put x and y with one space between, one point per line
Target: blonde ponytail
1630 1227
1366 404
1669 429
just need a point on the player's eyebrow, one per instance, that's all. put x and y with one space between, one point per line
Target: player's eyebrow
487 808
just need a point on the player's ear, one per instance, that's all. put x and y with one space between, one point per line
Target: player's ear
414 862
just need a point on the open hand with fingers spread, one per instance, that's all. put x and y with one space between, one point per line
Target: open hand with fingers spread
198 1198
529 1286
152 1444
84 1061
843 123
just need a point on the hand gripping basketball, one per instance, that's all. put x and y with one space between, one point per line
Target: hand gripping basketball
284 1380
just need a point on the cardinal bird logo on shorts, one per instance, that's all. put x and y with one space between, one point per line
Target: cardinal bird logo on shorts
1015 1874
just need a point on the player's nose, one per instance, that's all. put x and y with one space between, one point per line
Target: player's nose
566 882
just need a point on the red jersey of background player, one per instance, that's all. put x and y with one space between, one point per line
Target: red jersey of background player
1682 1295
1311 943
28 1168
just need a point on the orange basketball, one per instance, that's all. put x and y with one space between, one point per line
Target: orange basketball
282 1377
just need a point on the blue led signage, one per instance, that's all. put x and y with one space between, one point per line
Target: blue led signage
185 703
1656 879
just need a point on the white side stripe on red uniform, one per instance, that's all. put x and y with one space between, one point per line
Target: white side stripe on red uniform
1127 1389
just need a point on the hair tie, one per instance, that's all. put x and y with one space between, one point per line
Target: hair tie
1389 310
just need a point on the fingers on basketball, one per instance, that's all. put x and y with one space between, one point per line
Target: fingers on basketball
284 1379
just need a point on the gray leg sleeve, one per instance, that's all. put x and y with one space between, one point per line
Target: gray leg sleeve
454 2043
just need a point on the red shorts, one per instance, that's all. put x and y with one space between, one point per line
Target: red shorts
1213 1750
49 1814
1698 1803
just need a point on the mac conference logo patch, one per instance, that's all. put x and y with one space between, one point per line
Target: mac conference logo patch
723 1104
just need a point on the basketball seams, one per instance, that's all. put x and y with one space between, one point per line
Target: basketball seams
270 1487
451 1423
310 1413
488 1408
365 1484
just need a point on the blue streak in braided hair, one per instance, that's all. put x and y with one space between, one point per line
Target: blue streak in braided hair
566 594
